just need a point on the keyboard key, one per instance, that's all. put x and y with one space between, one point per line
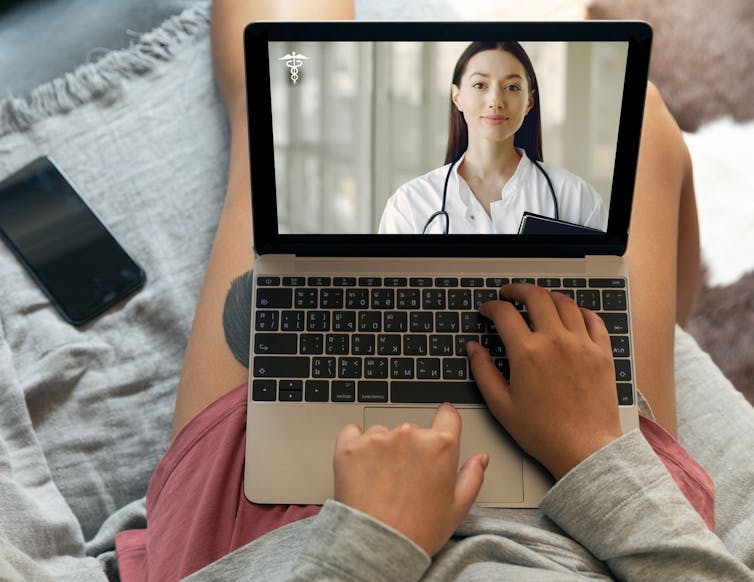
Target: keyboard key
415 345
574 282
570 292
473 322
459 299
441 345
548 282
446 282
435 392
319 281
428 368
362 344
454 368
318 321
614 300
485 295
274 298
494 345
504 366
370 321
625 394
402 368
317 391
323 367
408 299
395 282
357 298
266 321
588 299
336 344
383 298
615 322
349 367
291 395
620 346
343 391
433 299
497 282
281 366
331 299
375 367
445 321
395 321
306 298
311 343
622 370
294 281
291 391
344 281
275 343
372 391
292 321
420 281
517 304
264 390
461 340
344 321
420 321
472 282
388 345
529 280
267 281
370 281
615 283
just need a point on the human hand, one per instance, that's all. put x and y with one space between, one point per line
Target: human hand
560 404
408 477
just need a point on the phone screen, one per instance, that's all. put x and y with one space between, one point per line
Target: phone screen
65 247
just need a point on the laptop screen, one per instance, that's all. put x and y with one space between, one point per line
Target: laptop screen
508 136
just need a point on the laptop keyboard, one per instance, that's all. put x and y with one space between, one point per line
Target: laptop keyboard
398 339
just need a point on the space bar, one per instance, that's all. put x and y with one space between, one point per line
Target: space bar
435 392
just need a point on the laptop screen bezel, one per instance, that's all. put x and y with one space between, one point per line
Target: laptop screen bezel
267 239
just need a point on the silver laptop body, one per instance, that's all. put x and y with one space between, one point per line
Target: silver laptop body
337 333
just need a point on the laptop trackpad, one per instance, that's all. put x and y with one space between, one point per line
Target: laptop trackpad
503 479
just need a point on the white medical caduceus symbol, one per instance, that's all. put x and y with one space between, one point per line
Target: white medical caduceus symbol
293 61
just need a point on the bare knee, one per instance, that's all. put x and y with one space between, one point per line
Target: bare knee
663 145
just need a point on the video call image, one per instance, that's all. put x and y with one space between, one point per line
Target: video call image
445 137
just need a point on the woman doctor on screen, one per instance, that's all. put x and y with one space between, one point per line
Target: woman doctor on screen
492 173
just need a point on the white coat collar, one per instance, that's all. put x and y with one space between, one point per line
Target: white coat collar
464 191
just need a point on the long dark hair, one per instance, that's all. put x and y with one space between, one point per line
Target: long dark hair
528 137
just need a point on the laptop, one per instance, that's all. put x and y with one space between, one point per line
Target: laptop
352 326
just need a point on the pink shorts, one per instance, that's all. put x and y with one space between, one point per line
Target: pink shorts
197 511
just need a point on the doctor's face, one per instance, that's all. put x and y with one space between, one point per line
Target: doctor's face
493 96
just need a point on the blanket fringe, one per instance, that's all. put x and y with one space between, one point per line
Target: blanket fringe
102 79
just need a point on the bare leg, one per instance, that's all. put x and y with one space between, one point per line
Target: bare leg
209 368
663 255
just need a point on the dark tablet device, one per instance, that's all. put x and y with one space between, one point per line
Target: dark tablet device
537 224
67 250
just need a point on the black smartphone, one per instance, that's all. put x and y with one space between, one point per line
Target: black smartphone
68 251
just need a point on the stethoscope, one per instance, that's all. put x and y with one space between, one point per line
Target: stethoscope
443 212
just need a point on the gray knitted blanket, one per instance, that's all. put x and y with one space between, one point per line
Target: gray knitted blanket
86 412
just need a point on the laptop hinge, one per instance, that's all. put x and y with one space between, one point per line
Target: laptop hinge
604 259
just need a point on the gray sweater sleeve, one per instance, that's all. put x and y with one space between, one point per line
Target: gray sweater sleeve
620 504
345 544
623 505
